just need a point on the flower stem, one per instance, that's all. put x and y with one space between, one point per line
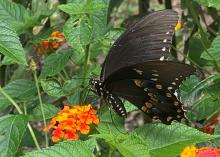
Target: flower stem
86 63
85 68
20 112
41 104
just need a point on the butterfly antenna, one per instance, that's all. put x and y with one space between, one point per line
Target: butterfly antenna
114 122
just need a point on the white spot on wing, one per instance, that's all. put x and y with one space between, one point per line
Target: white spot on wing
154 79
164 49
138 71
162 58
164 40
155 74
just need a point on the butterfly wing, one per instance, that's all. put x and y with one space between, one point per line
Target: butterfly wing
155 101
166 73
148 39
153 84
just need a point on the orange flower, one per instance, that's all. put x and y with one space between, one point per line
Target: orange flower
57 35
45 44
200 152
71 121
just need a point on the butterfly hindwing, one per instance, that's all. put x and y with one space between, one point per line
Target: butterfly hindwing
153 99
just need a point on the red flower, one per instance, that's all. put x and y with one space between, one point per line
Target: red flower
208 152
45 45
55 44
200 152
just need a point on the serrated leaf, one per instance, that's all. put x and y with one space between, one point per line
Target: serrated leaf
133 146
128 145
49 111
78 32
170 139
64 149
54 64
82 8
214 51
52 88
203 108
190 93
12 128
20 90
187 85
71 86
10 45
14 14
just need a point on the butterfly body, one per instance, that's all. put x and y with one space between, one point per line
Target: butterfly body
137 69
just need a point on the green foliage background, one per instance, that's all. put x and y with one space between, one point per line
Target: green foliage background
29 98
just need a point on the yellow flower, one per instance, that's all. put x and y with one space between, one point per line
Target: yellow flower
189 152
178 26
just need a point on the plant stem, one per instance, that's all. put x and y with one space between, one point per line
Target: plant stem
86 63
66 74
85 68
20 112
41 104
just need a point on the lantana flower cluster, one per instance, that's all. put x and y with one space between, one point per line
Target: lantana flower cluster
69 122
51 43
192 151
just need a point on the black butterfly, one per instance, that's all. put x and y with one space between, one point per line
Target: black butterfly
137 69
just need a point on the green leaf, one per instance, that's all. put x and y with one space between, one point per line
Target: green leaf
65 149
214 51
114 134
10 45
20 90
71 86
78 32
54 64
52 88
191 89
195 50
210 3
129 106
133 146
186 86
170 139
14 14
49 110
7 61
12 128
82 8
203 108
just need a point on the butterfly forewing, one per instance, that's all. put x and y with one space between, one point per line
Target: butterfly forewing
148 39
